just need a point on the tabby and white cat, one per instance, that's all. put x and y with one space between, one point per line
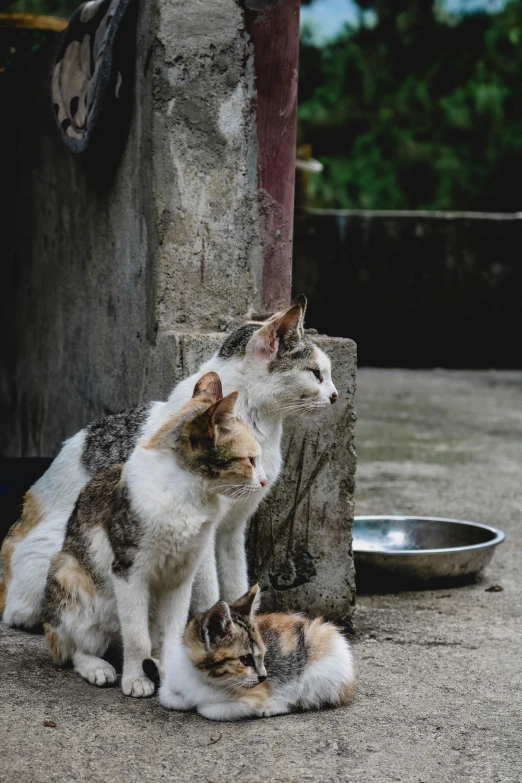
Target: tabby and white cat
137 533
276 368
232 664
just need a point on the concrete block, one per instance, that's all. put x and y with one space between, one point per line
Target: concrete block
300 541
177 355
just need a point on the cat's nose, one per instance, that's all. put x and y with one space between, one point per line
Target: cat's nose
262 677
334 397
261 475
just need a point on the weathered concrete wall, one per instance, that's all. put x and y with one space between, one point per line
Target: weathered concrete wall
102 255
78 241
414 289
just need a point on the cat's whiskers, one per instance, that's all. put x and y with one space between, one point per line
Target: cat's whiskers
242 491
228 486
290 406
298 406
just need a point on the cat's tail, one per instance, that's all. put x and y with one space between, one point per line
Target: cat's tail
151 669
331 677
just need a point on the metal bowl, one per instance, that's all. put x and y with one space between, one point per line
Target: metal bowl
421 549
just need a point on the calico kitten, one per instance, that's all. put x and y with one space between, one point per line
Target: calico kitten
232 664
137 533
278 371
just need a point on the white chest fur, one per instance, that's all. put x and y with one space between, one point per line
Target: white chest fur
176 514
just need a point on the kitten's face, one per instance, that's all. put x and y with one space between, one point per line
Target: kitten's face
288 372
225 645
209 440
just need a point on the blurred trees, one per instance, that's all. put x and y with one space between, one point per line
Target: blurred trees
62 8
417 111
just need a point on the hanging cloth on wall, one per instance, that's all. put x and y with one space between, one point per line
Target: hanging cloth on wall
86 74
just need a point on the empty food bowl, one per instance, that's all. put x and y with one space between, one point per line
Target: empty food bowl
421 549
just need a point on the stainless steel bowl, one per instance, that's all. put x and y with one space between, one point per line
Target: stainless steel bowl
421 549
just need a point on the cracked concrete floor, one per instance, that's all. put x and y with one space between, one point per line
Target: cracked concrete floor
439 697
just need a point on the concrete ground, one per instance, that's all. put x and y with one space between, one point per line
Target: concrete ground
439 696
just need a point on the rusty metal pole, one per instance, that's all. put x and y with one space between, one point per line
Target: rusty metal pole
274 33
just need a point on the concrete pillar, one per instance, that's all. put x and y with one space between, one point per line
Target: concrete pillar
209 263
300 541
122 275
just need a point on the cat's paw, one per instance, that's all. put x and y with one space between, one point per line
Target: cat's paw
226 711
212 713
172 700
139 687
100 674
273 709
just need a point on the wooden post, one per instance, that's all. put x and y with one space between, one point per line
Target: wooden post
274 33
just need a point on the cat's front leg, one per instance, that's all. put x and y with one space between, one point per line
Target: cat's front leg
205 588
230 548
273 707
227 711
173 609
132 597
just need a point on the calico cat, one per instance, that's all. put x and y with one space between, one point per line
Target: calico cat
232 664
278 371
137 533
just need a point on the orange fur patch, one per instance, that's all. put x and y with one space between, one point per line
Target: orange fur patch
31 515
240 438
320 637
285 625
71 576
163 437
257 696
347 692
55 647
7 552
3 595
192 640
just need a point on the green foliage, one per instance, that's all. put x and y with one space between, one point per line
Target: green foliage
417 111
16 45
62 8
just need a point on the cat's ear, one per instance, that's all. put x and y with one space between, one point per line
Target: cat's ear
264 344
209 385
220 414
213 420
302 302
290 326
248 604
215 625
282 331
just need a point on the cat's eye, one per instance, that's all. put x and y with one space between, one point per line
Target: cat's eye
247 660
252 461
318 374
